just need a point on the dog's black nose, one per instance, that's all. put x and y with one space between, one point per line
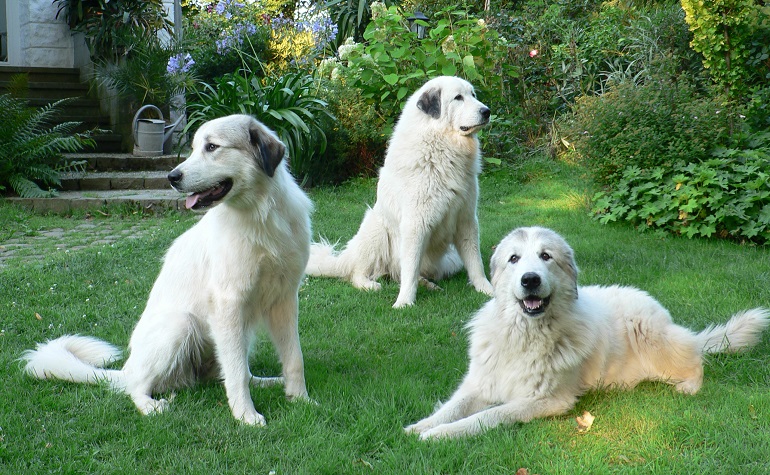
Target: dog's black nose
174 176
485 112
530 281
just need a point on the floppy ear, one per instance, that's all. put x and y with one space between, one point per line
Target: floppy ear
568 265
269 151
430 102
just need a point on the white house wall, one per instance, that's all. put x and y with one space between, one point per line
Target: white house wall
37 38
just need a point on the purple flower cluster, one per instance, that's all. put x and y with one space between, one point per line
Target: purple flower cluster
323 29
179 63
235 37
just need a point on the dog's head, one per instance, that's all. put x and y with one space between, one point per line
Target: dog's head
533 269
452 101
228 155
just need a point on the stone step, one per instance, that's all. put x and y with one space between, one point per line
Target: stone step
115 180
104 162
68 201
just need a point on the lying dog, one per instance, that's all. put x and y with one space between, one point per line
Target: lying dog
239 266
542 341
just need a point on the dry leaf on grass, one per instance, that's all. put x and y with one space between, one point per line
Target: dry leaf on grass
585 422
37 315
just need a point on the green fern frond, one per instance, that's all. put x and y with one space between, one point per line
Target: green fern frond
28 189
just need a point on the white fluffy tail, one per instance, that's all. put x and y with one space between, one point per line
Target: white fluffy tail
75 358
740 333
325 261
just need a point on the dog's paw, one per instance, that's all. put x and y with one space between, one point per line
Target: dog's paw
428 284
252 418
401 303
367 284
485 288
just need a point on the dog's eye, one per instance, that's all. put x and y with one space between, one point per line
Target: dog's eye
545 256
459 97
210 147
514 259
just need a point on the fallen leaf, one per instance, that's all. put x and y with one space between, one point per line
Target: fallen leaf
37 315
585 422
522 471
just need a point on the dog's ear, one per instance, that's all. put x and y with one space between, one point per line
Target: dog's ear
430 102
569 266
269 151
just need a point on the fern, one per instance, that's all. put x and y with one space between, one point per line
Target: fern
32 144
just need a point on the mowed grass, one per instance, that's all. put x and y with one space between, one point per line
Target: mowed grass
373 369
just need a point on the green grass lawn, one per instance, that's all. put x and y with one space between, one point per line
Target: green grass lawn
373 369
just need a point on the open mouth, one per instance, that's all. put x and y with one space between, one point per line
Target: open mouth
533 305
205 198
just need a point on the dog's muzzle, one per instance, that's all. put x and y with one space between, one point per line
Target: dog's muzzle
201 198
533 305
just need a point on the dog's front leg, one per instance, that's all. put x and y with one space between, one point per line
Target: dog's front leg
463 402
520 410
231 342
282 322
411 250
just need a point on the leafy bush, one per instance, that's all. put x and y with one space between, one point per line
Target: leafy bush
727 196
563 49
356 142
395 62
31 149
113 27
658 123
287 104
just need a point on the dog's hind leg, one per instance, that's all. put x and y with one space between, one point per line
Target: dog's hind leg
282 323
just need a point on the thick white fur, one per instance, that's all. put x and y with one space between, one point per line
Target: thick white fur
423 224
240 266
525 366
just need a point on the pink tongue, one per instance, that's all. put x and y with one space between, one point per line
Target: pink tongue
190 201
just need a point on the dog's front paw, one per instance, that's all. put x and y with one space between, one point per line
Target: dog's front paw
485 287
419 427
401 303
439 432
252 418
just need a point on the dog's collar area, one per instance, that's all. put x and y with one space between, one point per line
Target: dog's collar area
533 305
205 198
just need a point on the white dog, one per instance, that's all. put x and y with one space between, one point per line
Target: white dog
240 266
542 341
424 223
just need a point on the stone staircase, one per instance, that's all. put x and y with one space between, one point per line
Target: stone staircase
113 179
46 85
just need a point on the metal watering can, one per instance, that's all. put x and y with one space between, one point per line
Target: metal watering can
152 137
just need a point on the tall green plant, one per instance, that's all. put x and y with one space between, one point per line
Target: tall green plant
31 149
287 104
394 62
113 27
722 32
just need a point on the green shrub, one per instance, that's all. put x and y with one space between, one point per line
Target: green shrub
288 104
654 124
727 196
31 148
394 62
